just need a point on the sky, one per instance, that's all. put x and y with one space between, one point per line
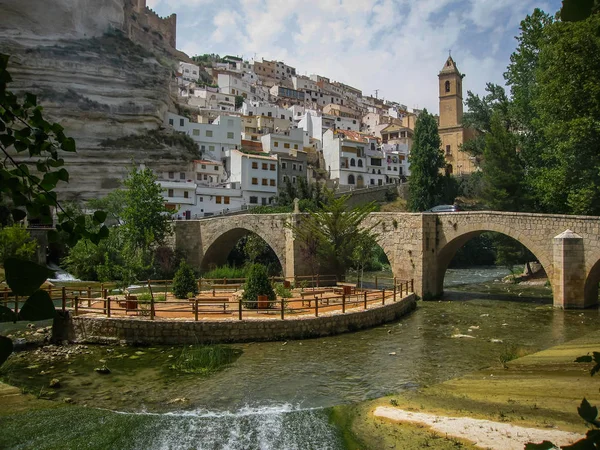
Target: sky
395 46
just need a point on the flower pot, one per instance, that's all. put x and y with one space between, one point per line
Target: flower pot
263 302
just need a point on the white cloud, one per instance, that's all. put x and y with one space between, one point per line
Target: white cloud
397 46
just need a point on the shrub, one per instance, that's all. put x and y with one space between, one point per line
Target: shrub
282 291
184 281
226 272
258 284
15 242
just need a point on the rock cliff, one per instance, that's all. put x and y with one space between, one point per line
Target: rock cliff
102 87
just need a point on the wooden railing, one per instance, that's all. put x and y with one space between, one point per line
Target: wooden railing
313 300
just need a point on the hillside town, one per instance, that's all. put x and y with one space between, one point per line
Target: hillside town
260 125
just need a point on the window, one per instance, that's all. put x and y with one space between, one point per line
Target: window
270 114
339 120
284 165
272 167
209 133
203 166
396 169
372 181
295 146
171 175
265 182
352 162
226 200
271 182
218 199
286 145
198 176
229 135
283 116
170 194
354 122
171 122
202 147
293 166
205 177
186 194
294 180
300 168
201 199
400 170
196 132
211 148
360 163
350 179
226 99
448 150
216 167
264 200
254 180
275 144
182 175
447 86
254 165
254 200
181 122
285 178
380 182
265 166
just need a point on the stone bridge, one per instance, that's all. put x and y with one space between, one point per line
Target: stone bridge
420 246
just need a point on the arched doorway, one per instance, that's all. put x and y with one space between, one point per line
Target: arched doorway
360 182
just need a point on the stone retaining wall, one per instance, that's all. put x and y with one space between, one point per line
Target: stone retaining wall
170 332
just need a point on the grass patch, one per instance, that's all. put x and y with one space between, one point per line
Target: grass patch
226 272
205 360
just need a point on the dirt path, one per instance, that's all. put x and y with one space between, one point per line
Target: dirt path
483 433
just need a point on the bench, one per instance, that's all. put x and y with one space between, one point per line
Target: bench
213 301
223 287
313 295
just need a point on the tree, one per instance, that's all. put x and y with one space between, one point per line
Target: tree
365 250
239 101
479 116
113 204
426 160
577 10
568 117
184 282
503 171
15 242
257 284
28 141
332 233
147 221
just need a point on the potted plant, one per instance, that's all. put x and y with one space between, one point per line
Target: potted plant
258 292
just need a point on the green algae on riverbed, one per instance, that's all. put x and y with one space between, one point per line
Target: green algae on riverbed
541 390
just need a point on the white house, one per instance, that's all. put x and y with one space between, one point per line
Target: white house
256 175
210 98
353 158
214 139
189 72
235 85
283 142
267 110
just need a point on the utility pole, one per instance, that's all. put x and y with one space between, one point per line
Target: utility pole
376 93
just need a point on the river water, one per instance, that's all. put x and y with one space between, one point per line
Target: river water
275 394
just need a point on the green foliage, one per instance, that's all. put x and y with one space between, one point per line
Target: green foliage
239 101
479 251
577 10
205 360
503 172
166 261
329 235
226 272
311 195
32 164
282 292
252 249
568 117
113 203
147 221
426 160
15 241
257 284
184 281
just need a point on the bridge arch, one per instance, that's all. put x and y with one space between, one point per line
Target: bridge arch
592 279
447 250
217 252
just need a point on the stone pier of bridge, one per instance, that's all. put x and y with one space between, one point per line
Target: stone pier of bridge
420 246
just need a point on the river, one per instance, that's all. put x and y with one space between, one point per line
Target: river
275 395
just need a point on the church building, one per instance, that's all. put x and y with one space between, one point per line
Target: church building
452 133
